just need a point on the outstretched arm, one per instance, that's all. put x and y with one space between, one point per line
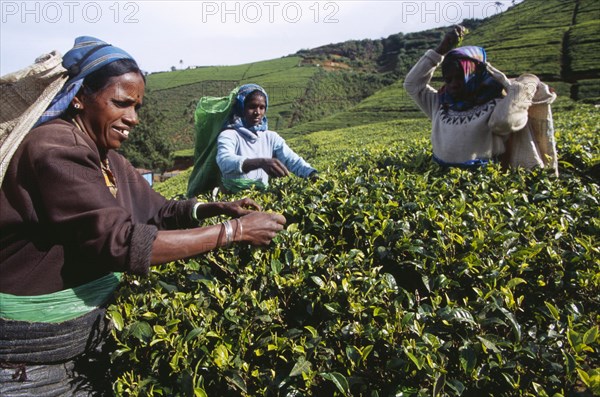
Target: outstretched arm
234 209
256 228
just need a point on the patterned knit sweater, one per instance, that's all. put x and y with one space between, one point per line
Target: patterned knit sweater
477 133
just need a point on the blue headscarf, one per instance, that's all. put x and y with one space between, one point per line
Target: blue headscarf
238 121
479 86
87 55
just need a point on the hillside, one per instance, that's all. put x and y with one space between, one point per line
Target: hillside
563 36
178 92
359 82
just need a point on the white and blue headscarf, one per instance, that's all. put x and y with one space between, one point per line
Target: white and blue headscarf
238 121
87 55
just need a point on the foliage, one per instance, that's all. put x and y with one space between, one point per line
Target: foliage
177 93
389 103
393 277
555 39
332 92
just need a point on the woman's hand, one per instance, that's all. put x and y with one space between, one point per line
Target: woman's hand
498 75
258 228
451 39
274 168
233 209
238 208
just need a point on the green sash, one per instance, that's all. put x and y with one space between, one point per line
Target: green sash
239 184
62 305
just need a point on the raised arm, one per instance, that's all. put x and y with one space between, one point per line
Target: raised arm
417 80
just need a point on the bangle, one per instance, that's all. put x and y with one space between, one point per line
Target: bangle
239 223
194 214
228 233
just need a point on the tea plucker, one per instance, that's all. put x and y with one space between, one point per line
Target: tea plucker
478 109
248 152
75 214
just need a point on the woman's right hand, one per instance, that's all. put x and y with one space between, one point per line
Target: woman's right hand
274 168
259 228
451 39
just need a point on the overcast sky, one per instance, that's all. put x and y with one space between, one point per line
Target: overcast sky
160 34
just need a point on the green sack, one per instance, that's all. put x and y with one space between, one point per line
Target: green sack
211 115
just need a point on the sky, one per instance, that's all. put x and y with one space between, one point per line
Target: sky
165 34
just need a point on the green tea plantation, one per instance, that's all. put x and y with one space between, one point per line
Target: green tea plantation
393 277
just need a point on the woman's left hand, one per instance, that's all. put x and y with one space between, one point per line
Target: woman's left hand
498 75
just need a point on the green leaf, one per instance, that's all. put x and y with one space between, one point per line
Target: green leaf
590 336
167 286
468 359
312 331
353 354
570 363
539 390
318 280
193 334
117 320
333 307
488 344
513 322
513 282
366 351
199 392
221 356
276 266
301 366
141 330
417 362
338 380
438 386
553 311
236 380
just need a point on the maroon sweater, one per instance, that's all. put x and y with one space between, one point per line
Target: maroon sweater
59 224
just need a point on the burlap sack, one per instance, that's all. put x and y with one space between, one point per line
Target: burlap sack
24 96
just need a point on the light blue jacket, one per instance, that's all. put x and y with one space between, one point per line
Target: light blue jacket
235 146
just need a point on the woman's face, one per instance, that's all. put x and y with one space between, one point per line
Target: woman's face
109 114
455 82
254 110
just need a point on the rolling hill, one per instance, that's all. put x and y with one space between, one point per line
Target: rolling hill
359 82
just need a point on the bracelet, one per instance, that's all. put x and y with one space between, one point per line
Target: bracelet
228 233
194 214
239 223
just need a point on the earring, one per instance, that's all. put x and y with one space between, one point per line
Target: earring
76 106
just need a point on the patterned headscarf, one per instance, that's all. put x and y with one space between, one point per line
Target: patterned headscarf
87 55
238 121
479 86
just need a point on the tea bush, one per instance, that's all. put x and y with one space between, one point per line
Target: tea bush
393 277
